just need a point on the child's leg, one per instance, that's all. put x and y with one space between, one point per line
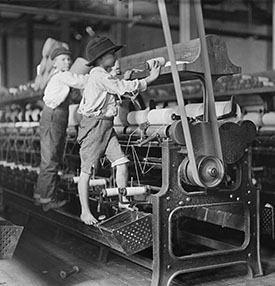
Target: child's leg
122 175
83 191
122 181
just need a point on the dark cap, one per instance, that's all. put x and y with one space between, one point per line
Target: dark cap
60 51
98 46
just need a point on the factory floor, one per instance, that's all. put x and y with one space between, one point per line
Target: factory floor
42 252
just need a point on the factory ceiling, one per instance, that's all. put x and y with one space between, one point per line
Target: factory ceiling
44 17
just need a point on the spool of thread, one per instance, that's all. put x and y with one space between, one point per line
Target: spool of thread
254 108
110 192
268 128
133 191
268 119
18 124
92 182
28 115
149 63
137 117
74 117
129 191
9 164
194 109
20 166
255 117
35 114
161 130
25 124
21 116
161 116
222 107
132 131
11 125
33 124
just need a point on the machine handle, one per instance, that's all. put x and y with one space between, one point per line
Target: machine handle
149 139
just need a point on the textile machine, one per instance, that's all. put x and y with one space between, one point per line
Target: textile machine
193 202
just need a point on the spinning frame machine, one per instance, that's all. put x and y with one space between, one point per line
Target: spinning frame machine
194 204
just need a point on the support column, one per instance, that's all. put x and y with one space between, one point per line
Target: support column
4 60
273 35
65 23
29 41
120 28
184 20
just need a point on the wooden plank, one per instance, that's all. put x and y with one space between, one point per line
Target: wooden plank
189 53
40 257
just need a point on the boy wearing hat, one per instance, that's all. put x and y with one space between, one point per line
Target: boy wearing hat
53 125
96 134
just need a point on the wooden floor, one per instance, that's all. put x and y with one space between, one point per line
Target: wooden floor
42 252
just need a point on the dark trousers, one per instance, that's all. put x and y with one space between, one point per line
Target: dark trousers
53 125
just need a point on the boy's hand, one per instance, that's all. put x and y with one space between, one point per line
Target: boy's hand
154 72
127 74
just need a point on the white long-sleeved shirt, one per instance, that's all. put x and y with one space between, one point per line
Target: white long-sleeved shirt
99 93
59 85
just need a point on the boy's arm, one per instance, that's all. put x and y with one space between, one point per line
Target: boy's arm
120 86
74 80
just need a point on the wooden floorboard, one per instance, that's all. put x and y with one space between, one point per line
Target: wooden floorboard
42 252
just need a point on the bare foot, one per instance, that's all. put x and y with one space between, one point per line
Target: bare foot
88 218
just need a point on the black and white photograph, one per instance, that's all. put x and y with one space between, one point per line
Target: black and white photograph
137 142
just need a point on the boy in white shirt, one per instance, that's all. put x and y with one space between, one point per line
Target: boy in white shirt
98 106
53 125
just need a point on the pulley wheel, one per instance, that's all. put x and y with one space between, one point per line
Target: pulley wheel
210 170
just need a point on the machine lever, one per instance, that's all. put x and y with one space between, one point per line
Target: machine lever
149 139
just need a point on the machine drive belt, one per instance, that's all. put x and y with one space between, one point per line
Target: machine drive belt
176 79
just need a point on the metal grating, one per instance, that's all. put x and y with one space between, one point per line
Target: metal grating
267 221
9 237
128 232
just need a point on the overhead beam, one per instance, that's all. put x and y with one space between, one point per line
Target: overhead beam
259 18
75 15
228 19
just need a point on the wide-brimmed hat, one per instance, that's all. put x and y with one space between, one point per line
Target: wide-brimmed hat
60 51
98 46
